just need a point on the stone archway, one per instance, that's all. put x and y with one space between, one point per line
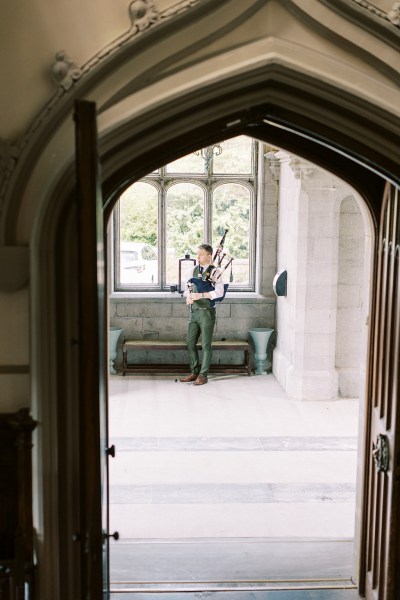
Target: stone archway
365 182
268 96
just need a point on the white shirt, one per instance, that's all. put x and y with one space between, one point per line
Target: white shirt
218 292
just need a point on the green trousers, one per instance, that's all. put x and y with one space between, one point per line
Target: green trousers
201 323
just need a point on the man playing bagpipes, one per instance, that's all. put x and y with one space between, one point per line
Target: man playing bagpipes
205 287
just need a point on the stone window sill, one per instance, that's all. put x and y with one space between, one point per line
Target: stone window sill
231 297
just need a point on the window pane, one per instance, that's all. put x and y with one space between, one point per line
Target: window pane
187 164
231 210
235 156
185 222
138 235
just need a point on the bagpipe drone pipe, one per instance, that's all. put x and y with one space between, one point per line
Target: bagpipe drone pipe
206 284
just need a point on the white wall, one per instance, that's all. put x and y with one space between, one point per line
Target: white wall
350 297
320 241
322 250
165 316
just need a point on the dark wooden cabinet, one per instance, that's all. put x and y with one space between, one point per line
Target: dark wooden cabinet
16 531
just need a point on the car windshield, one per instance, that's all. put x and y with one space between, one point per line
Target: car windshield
138 265
128 258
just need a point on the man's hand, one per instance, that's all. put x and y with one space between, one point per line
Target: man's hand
193 297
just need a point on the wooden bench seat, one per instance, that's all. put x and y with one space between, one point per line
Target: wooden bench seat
172 345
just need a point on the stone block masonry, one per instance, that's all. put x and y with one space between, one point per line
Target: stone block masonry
166 317
321 244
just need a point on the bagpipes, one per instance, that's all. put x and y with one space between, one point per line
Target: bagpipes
219 256
204 283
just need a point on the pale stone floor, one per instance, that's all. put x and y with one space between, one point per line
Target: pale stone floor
228 482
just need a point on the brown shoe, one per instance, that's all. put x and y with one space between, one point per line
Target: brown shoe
188 378
201 380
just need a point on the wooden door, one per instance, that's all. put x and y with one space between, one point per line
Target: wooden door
382 452
93 375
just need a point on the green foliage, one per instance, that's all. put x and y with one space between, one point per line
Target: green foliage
139 214
185 210
231 210
185 217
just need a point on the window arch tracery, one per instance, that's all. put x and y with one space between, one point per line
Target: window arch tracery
170 212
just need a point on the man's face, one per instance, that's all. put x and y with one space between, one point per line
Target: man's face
203 257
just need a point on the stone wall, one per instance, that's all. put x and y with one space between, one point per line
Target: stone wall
304 360
319 239
349 297
317 356
267 226
165 317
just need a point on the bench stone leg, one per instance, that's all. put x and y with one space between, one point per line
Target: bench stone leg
124 362
247 362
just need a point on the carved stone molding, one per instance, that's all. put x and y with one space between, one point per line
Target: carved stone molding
64 71
143 15
274 159
301 168
372 8
382 23
394 14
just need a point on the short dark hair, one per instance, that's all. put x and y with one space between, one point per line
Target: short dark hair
207 248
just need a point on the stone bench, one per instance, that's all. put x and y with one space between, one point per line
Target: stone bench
172 345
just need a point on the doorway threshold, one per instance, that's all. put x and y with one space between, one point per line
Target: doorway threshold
231 565
290 594
230 586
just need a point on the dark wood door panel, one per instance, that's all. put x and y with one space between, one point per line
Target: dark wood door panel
383 482
92 347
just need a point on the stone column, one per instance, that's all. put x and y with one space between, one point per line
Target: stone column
267 224
304 358
350 304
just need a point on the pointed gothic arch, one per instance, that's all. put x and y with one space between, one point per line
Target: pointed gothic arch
367 182
277 101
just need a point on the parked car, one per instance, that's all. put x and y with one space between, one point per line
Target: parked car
137 257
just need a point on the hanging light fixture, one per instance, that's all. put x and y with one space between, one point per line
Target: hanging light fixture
208 153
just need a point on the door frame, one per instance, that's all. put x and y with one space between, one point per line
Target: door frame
293 141
261 122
